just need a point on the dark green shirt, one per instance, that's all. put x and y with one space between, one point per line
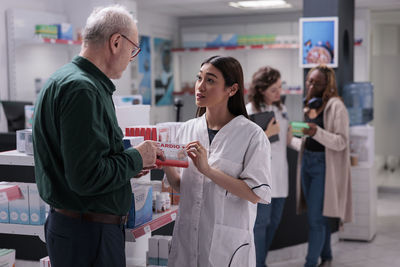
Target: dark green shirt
80 161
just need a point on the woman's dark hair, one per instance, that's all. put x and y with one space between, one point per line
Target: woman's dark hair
261 81
330 89
232 72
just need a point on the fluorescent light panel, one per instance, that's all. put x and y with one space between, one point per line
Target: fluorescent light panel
262 4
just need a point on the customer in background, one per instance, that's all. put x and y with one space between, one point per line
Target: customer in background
228 174
323 184
265 95
81 168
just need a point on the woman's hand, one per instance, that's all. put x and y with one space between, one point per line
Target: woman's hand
198 154
310 131
272 128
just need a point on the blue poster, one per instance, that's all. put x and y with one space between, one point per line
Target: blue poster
145 70
319 41
163 73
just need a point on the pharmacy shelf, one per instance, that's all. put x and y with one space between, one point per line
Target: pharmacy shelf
23 229
40 40
239 47
14 157
159 220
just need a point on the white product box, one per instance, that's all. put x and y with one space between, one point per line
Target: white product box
152 254
164 246
28 143
132 141
37 208
127 100
29 109
4 213
142 203
45 262
7 257
21 137
19 208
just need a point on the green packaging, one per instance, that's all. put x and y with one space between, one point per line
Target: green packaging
297 128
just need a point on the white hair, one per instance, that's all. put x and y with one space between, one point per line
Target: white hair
104 22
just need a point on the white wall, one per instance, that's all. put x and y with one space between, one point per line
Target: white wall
386 79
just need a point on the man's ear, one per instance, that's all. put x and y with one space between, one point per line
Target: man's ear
233 89
115 42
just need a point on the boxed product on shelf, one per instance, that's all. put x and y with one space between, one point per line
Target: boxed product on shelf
37 208
46 31
29 115
19 208
141 210
168 131
4 213
194 40
65 31
226 39
147 131
132 141
9 192
20 139
28 143
126 100
45 262
159 247
7 257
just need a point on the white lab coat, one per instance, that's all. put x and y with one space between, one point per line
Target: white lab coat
215 228
280 175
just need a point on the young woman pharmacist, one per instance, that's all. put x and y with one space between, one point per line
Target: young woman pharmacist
228 174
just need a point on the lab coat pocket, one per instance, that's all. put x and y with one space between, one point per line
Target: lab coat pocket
230 247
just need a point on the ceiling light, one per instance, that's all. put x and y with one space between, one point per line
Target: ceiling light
262 4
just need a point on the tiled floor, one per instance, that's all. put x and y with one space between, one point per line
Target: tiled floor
384 250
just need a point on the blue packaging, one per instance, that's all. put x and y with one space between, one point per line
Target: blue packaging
37 208
141 210
4 213
65 31
19 208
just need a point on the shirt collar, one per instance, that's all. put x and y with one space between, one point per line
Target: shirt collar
92 69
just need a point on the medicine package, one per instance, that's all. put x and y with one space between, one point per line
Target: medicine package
175 155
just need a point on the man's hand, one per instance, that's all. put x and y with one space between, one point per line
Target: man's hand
149 152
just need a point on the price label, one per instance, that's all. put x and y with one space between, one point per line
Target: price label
147 229
3 197
173 216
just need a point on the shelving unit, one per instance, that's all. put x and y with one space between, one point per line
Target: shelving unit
159 220
239 47
9 192
14 157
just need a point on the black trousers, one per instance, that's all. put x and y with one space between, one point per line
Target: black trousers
74 242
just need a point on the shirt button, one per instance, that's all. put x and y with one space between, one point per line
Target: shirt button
198 202
195 228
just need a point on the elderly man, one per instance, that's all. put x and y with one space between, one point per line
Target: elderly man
81 168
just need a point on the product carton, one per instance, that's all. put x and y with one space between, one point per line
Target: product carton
37 208
142 204
19 208
152 254
7 257
164 246
4 213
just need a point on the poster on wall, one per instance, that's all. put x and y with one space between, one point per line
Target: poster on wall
145 70
163 74
318 42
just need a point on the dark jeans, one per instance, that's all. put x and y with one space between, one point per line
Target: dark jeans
267 221
74 242
313 185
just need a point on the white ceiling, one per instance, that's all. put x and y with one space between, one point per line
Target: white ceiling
186 8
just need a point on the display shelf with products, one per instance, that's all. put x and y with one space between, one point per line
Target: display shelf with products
40 40
238 47
159 220
23 229
9 192
13 157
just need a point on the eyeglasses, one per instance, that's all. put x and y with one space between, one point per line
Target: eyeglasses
316 85
136 48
